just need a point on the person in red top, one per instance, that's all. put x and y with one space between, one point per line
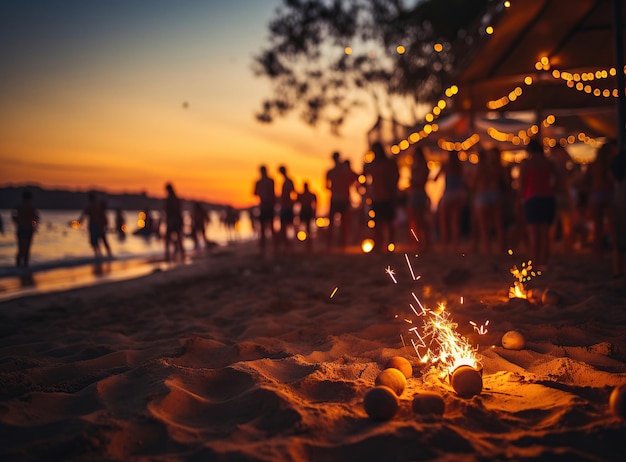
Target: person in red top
25 218
539 181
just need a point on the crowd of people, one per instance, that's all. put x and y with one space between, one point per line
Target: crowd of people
173 225
545 203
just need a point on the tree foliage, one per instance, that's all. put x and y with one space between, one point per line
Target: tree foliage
327 58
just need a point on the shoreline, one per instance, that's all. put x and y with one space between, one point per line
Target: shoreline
60 276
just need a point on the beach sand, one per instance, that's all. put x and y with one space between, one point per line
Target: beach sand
238 357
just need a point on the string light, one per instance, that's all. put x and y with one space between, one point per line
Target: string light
459 145
577 81
428 128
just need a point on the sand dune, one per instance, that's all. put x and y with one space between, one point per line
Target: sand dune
238 357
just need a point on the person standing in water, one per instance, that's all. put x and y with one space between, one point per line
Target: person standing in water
25 218
173 224
96 215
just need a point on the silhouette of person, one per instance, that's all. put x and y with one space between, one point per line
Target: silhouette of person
104 219
418 202
96 224
600 181
173 224
564 199
383 177
230 219
25 218
200 219
287 199
308 205
120 224
339 180
488 185
538 182
1 225
264 189
451 204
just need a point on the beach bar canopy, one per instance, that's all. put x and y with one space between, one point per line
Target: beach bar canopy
547 55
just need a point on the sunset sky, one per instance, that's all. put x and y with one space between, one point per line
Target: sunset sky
126 95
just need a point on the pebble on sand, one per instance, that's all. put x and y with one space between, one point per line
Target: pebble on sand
402 364
617 401
513 340
550 297
428 403
380 403
466 381
392 378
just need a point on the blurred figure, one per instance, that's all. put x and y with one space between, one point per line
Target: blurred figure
418 202
199 221
264 189
339 180
383 177
488 185
120 225
95 212
564 199
538 182
600 182
287 199
452 202
308 205
25 218
231 220
173 224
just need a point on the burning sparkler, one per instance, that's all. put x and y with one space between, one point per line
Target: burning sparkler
436 341
522 276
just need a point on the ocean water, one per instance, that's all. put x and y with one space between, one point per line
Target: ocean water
57 244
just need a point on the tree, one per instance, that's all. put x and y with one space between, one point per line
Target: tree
328 58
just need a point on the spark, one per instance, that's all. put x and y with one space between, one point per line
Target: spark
523 275
414 235
461 299
424 311
334 292
391 273
408 262
482 330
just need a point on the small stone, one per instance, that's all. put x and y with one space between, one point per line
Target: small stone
617 401
466 381
513 340
550 297
428 403
402 364
392 378
380 403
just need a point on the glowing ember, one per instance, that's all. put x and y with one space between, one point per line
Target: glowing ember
367 245
522 276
